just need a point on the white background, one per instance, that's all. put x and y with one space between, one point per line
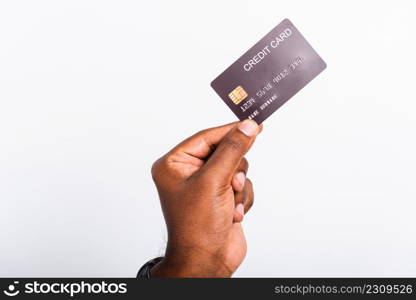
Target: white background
92 92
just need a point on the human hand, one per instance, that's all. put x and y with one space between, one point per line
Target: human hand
204 194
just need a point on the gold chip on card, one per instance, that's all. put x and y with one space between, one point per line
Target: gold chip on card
238 94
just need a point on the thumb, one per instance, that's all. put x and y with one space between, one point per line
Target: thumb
223 163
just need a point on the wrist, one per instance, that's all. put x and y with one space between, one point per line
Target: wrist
190 263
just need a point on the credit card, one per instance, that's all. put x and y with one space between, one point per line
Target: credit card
269 73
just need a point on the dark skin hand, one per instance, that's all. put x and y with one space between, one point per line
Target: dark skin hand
204 194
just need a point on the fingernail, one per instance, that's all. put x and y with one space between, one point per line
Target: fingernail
240 177
248 127
240 209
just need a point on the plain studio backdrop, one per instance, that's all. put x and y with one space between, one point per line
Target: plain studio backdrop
92 92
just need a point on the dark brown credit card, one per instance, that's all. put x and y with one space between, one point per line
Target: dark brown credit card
269 74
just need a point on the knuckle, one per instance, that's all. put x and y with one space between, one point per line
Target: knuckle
233 144
157 168
250 204
249 183
201 132
249 193
245 163
248 186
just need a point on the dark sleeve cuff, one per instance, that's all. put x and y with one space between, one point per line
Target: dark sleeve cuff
144 271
